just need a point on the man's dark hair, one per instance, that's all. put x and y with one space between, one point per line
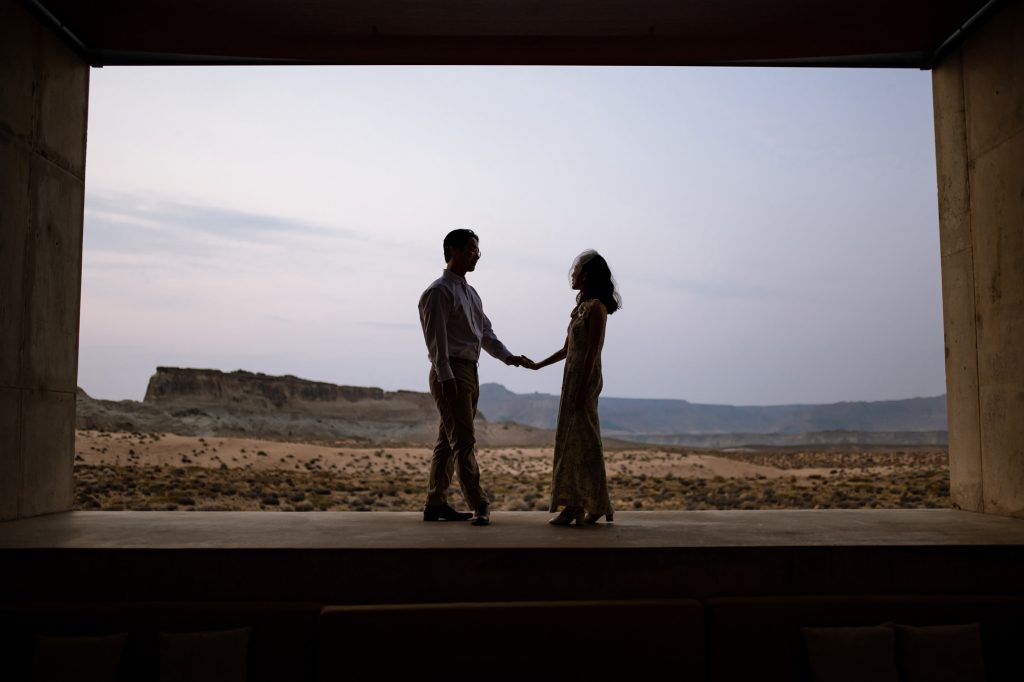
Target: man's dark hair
458 239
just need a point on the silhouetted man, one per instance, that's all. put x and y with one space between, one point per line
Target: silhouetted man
455 328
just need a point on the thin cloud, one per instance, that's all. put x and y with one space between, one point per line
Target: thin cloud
127 223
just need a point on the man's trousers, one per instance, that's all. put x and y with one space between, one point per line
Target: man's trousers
456 440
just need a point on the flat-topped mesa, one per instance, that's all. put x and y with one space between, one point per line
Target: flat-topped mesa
247 389
208 402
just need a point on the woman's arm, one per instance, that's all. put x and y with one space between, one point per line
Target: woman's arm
596 321
557 356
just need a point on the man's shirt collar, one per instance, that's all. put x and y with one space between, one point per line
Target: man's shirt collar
454 276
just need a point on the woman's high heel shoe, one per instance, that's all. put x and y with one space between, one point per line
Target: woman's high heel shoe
594 518
567 516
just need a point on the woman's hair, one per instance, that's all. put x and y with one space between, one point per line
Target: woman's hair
599 282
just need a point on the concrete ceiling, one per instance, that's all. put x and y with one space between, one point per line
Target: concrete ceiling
897 33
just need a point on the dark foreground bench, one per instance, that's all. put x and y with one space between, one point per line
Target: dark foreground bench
590 640
281 641
718 640
760 637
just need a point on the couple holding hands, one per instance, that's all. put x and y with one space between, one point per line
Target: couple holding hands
455 328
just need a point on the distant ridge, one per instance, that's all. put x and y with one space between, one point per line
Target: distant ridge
679 422
212 402
803 440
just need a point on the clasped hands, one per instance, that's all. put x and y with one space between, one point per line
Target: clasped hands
450 389
580 401
521 361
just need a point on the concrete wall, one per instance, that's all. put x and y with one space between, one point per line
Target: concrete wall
979 130
43 112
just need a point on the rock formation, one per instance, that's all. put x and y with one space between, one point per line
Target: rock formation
258 391
210 402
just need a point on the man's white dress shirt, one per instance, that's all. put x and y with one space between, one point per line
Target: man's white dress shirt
454 324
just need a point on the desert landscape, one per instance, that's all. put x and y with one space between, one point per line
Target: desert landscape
210 440
160 471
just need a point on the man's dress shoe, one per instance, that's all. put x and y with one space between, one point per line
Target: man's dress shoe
444 512
482 517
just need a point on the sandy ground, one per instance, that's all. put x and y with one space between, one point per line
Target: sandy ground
125 449
163 471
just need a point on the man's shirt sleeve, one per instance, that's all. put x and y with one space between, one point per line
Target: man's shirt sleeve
434 308
490 342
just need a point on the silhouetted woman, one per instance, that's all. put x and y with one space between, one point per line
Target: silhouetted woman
578 481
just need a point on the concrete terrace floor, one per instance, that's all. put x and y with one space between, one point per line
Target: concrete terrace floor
509 530
394 557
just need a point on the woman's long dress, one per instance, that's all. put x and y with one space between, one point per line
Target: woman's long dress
578 477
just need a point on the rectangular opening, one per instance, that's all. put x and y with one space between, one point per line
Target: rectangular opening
774 233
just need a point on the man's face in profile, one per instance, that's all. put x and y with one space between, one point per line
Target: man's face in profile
465 258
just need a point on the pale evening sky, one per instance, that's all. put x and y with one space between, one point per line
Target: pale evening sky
774 232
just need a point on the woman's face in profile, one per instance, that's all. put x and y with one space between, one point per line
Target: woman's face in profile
577 278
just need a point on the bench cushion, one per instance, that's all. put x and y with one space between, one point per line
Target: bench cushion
282 643
760 637
521 640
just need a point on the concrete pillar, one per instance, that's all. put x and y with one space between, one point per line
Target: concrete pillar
979 133
43 115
